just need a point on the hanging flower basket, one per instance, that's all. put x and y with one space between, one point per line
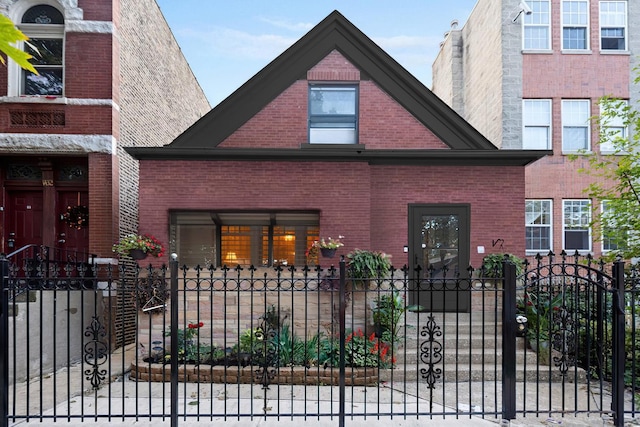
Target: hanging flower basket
139 246
137 254
328 252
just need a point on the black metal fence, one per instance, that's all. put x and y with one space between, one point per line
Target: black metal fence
557 338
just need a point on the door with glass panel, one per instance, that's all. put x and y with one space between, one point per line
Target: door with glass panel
439 245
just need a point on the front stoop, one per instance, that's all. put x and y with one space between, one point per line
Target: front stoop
295 375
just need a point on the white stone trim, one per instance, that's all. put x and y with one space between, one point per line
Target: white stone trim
78 26
16 8
62 100
57 143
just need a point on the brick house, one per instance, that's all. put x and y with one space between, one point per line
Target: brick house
333 137
550 64
113 76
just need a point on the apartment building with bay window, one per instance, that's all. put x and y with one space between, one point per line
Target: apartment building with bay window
529 75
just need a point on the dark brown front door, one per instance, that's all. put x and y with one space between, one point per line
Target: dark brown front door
23 218
439 246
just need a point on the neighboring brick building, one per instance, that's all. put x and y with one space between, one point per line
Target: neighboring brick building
332 138
111 75
529 75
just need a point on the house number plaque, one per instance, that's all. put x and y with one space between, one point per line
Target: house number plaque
47 183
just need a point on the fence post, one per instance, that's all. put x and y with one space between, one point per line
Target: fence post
617 398
4 341
173 269
342 313
509 341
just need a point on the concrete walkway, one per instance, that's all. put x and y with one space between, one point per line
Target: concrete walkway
145 398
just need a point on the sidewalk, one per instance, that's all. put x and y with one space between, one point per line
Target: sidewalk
144 398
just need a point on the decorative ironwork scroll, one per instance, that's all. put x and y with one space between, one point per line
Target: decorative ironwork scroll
95 353
563 340
431 352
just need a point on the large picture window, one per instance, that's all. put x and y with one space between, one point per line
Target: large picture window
333 112
538 225
577 225
44 25
537 26
261 239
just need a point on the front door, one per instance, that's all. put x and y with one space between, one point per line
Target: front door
439 246
72 238
23 219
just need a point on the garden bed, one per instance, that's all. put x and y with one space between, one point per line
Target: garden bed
295 375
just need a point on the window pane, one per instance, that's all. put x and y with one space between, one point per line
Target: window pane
49 51
576 240
536 26
538 225
576 220
43 14
333 100
613 39
236 245
536 38
574 139
536 138
574 38
49 82
538 238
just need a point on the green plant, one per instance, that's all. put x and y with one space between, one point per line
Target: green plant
365 265
361 351
189 347
388 309
144 242
492 264
539 307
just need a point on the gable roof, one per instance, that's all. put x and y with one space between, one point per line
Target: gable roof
335 32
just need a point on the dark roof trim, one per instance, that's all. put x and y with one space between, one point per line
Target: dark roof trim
376 157
334 32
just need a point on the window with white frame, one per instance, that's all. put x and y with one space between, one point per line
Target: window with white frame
613 25
614 237
575 125
536 121
537 28
576 225
44 25
575 21
612 127
538 225
333 112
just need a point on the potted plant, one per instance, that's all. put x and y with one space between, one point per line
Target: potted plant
365 265
139 246
387 312
327 247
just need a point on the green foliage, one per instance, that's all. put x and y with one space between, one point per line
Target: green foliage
388 309
364 264
492 264
539 307
361 351
616 177
9 35
190 349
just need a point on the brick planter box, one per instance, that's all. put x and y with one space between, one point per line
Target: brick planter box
299 375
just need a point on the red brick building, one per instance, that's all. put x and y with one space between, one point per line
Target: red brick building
110 75
333 138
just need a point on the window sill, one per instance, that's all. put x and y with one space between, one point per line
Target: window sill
577 153
615 52
34 99
316 145
537 51
576 51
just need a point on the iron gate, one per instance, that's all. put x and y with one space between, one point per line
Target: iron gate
307 342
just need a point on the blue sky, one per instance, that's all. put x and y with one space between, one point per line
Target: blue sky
227 42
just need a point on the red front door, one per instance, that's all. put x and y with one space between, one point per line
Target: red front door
23 220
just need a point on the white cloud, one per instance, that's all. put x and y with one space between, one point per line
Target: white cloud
239 44
291 26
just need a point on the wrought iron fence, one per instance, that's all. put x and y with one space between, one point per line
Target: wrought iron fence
315 342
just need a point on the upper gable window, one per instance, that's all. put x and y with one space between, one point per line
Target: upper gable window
44 25
333 114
